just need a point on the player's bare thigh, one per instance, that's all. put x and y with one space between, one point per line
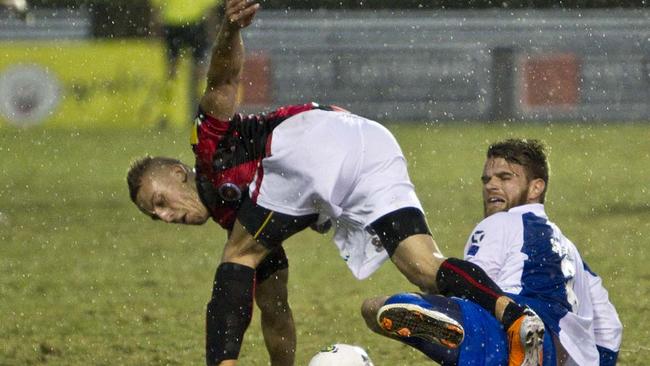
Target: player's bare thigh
405 235
419 259
241 248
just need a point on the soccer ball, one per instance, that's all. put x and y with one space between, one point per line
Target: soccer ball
341 355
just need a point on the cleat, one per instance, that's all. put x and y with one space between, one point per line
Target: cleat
404 332
455 328
448 344
387 324
410 320
525 340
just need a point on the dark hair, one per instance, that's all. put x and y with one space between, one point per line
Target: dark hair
528 153
142 166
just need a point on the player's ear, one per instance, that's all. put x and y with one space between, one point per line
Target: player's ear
535 189
180 172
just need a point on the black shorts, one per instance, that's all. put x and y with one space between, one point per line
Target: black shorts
275 261
193 36
270 228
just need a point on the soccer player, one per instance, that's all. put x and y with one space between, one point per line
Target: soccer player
266 177
185 26
158 180
526 255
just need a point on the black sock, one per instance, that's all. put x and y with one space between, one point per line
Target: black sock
229 312
513 312
467 280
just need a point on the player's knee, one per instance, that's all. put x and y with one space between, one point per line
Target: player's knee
273 304
271 294
276 306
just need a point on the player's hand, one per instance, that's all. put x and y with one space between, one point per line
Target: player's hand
240 13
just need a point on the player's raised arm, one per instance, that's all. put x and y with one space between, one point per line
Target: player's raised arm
227 60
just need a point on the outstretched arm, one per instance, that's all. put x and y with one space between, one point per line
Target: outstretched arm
224 74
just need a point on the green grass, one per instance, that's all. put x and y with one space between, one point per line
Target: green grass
85 279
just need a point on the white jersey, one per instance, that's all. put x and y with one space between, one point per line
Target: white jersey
342 166
527 255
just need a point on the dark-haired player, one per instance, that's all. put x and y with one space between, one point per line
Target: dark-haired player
530 258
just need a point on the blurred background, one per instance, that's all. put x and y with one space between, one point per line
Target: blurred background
401 61
88 86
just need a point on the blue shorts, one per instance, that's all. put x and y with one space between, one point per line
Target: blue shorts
485 341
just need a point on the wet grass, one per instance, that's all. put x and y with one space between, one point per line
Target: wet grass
87 280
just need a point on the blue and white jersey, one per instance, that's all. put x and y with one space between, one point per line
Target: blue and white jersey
530 258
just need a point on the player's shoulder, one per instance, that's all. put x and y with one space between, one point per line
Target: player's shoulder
500 224
491 232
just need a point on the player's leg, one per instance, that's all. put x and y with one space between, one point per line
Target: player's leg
405 236
454 277
426 317
271 296
417 256
256 231
230 309
439 334
432 325
478 337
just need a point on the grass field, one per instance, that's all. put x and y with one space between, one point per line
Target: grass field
85 279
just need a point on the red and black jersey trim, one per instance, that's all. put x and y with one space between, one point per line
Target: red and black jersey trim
245 141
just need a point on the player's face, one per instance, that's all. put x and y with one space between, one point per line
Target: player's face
168 194
505 186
